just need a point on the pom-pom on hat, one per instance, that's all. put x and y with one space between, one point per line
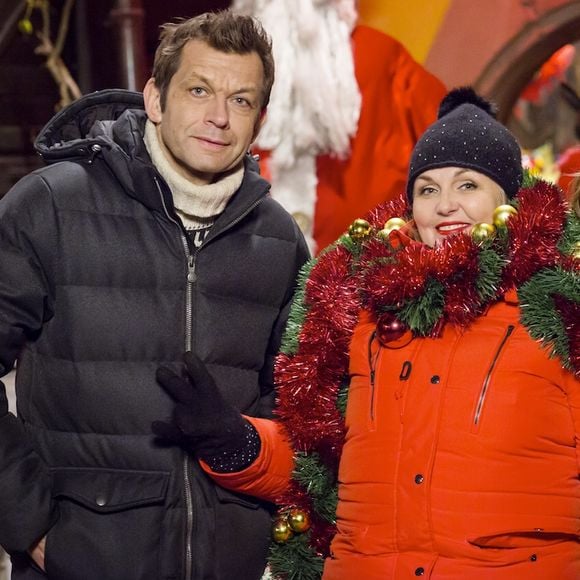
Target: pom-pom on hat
467 134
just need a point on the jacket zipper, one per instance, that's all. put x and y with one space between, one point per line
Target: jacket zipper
188 340
372 372
191 278
487 380
233 222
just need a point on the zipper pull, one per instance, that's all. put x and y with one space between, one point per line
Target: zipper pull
372 360
191 275
405 371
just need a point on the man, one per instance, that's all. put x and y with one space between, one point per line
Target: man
150 233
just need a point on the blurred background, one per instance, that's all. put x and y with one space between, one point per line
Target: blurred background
523 54
499 46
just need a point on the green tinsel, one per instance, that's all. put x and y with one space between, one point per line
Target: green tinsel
342 398
353 246
571 235
295 559
539 313
297 313
319 482
491 265
422 313
529 179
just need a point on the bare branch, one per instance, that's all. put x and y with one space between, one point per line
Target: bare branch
63 27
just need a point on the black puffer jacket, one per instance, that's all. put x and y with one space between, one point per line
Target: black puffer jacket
97 288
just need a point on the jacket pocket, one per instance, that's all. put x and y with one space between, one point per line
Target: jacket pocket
514 539
109 526
536 553
483 393
242 536
225 497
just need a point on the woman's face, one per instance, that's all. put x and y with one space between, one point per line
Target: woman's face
450 200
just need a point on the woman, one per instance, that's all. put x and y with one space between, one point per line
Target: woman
458 455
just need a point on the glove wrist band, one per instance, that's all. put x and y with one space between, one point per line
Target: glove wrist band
238 459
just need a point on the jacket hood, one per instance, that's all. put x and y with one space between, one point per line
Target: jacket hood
108 125
87 121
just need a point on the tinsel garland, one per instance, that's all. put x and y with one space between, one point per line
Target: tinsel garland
536 253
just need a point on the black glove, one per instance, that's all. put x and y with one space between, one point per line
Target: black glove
203 422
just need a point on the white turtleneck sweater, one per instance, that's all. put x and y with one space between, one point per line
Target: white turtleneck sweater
197 205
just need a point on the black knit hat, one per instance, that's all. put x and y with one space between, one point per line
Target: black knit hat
467 134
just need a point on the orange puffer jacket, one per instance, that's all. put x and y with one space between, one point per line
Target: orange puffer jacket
461 458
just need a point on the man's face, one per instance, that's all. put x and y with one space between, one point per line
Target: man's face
212 111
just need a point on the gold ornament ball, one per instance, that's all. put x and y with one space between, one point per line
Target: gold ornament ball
502 213
394 224
390 225
298 520
576 251
482 231
359 230
281 531
383 235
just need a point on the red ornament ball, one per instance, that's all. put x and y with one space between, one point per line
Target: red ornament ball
390 328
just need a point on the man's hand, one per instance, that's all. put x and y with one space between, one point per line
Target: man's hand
37 553
202 421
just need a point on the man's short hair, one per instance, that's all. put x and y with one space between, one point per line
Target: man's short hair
223 31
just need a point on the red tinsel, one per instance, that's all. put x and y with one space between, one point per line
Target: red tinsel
534 233
403 275
382 213
315 371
